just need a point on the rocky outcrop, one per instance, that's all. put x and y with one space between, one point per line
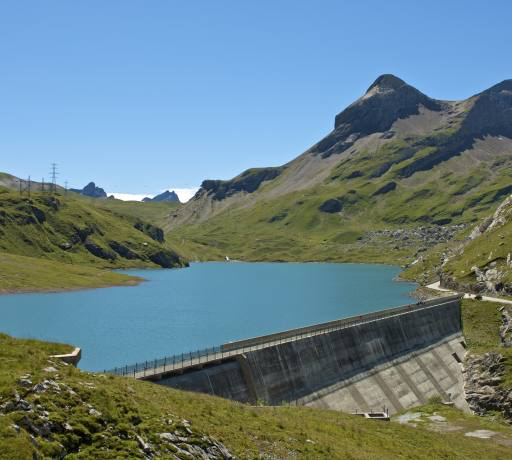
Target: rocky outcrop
123 250
424 236
483 376
498 219
389 187
62 420
154 232
388 99
489 114
331 206
91 190
170 196
249 181
506 328
98 251
166 258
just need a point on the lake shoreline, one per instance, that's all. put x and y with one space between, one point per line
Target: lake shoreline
135 281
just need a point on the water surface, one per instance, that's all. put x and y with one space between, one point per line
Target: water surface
207 304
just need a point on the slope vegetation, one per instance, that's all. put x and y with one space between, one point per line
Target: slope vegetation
396 160
41 232
50 410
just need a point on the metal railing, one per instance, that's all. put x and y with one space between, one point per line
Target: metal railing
180 362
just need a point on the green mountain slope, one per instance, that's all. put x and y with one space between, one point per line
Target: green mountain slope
478 261
26 274
66 229
396 160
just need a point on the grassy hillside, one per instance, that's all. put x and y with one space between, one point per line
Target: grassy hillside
96 416
27 274
293 227
154 212
396 160
478 261
65 229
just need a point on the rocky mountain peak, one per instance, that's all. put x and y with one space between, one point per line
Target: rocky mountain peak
491 113
388 99
170 196
387 82
91 190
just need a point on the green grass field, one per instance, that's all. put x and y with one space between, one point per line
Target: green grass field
63 241
29 274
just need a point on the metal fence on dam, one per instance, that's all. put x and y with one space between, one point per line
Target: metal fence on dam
184 361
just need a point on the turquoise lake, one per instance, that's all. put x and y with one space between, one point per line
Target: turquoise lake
206 304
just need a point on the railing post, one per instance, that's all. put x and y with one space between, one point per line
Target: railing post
165 362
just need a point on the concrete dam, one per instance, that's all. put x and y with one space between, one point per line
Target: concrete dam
395 358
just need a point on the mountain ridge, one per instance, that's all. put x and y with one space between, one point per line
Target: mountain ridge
386 161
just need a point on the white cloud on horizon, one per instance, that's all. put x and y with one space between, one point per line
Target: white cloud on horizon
184 194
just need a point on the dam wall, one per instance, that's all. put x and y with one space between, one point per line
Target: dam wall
397 358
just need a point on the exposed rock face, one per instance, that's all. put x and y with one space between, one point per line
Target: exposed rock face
249 181
150 230
491 271
498 219
165 258
386 100
37 410
165 196
389 187
98 251
491 113
506 328
482 378
425 236
91 190
331 206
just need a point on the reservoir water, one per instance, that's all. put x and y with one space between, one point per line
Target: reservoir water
204 305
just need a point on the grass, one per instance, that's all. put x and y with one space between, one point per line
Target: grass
289 226
482 321
153 212
29 274
129 408
72 240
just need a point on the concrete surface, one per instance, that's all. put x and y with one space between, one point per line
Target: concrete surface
398 361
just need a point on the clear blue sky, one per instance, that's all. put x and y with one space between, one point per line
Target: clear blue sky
144 95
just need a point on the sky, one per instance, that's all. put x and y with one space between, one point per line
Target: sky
143 96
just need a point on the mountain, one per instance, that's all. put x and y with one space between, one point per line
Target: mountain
482 262
396 160
15 183
69 229
91 190
165 196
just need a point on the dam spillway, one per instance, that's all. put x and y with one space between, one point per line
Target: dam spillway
395 358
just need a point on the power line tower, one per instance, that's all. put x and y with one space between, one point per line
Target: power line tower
53 174
65 187
29 187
